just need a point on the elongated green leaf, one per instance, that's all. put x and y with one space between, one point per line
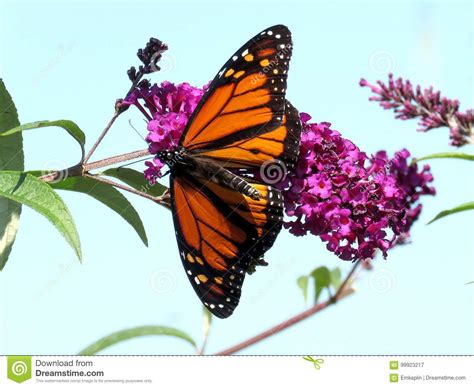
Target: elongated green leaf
302 282
448 155
322 280
70 126
457 209
135 332
136 180
470 283
109 196
28 190
11 158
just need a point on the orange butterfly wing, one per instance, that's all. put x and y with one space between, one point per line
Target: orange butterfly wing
219 233
243 119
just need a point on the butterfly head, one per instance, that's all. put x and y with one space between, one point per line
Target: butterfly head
173 157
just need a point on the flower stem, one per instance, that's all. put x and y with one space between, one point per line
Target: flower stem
342 292
160 200
102 135
82 169
116 159
343 285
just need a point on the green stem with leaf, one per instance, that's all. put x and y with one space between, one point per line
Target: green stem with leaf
342 292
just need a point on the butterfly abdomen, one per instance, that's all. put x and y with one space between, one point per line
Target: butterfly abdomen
210 170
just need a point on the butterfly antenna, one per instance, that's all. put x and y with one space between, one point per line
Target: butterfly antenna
136 131
172 140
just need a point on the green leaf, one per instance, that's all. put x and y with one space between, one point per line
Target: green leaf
11 158
447 155
302 282
336 277
109 196
70 126
470 283
322 280
28 190
135 179
457 209
135 332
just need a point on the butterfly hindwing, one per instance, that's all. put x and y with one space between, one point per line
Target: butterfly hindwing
219 233
246 98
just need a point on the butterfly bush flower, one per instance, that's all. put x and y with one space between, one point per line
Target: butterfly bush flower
432 110
167 108
355 203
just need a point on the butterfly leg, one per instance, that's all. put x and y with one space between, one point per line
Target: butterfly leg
254 263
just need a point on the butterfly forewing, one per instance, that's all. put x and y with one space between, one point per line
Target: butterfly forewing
247 96
281 144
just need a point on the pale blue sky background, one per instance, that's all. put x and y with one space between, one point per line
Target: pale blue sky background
69 60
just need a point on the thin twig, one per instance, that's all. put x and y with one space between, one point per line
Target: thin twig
102 135
207 321
79 169
116 159
342 292
161 200
203 346
343 285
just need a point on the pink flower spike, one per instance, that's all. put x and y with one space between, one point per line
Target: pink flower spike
356 204
432 110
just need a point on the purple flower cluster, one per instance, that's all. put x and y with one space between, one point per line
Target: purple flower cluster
356 204
433 110
167 108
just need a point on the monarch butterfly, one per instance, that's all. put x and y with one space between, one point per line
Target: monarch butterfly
225 217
